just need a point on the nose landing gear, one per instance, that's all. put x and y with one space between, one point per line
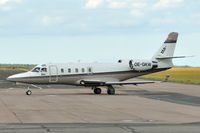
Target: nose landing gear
29 92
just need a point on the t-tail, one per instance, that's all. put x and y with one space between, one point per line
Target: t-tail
165 54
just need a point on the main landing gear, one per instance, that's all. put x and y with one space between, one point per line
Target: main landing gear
110 90
97 90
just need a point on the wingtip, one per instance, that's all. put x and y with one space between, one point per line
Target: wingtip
166 78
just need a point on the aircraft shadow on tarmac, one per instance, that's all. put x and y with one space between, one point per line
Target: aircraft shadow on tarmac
166 96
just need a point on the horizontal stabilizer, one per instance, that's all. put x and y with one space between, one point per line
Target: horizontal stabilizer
172 57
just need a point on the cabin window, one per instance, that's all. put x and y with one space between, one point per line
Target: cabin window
89 69
76 70
83 70
44 70
37 69
69 70
62 70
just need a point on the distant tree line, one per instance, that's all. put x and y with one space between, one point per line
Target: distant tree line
29 66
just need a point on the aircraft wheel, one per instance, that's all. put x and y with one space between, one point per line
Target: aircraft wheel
111 91
97 91
29 92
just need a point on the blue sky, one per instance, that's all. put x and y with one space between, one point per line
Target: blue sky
43 31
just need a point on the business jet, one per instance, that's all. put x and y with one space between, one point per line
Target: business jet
98 75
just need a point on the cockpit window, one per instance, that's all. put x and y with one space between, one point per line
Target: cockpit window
44 70
37 69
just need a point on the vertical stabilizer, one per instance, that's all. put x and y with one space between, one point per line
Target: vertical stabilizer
165 51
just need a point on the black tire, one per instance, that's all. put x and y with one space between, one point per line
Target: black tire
111 91
28 92
97 91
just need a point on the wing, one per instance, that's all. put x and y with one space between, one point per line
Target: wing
100 83
130 83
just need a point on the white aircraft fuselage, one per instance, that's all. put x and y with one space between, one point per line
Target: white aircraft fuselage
74 73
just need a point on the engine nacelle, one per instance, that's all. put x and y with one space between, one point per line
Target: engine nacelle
141 65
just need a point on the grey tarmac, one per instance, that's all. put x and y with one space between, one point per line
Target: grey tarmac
99 128
162 107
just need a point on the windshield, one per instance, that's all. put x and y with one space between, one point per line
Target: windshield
37 69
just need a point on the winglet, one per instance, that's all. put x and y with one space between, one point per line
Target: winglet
166 78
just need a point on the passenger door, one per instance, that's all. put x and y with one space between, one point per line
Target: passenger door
53 74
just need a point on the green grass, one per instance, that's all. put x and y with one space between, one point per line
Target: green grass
190 75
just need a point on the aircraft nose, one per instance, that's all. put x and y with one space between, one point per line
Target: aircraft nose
11 78
18 77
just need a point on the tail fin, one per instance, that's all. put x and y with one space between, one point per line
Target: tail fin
165 54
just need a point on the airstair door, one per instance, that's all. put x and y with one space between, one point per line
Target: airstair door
53 74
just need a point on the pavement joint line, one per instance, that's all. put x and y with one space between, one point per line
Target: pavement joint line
2 101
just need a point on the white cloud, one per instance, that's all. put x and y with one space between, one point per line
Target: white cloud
161 4
5 4
126 3
195 15
93 3
139 4
47 20
116 4
192 20
2 2
164 20
6 8
136 13
136 7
